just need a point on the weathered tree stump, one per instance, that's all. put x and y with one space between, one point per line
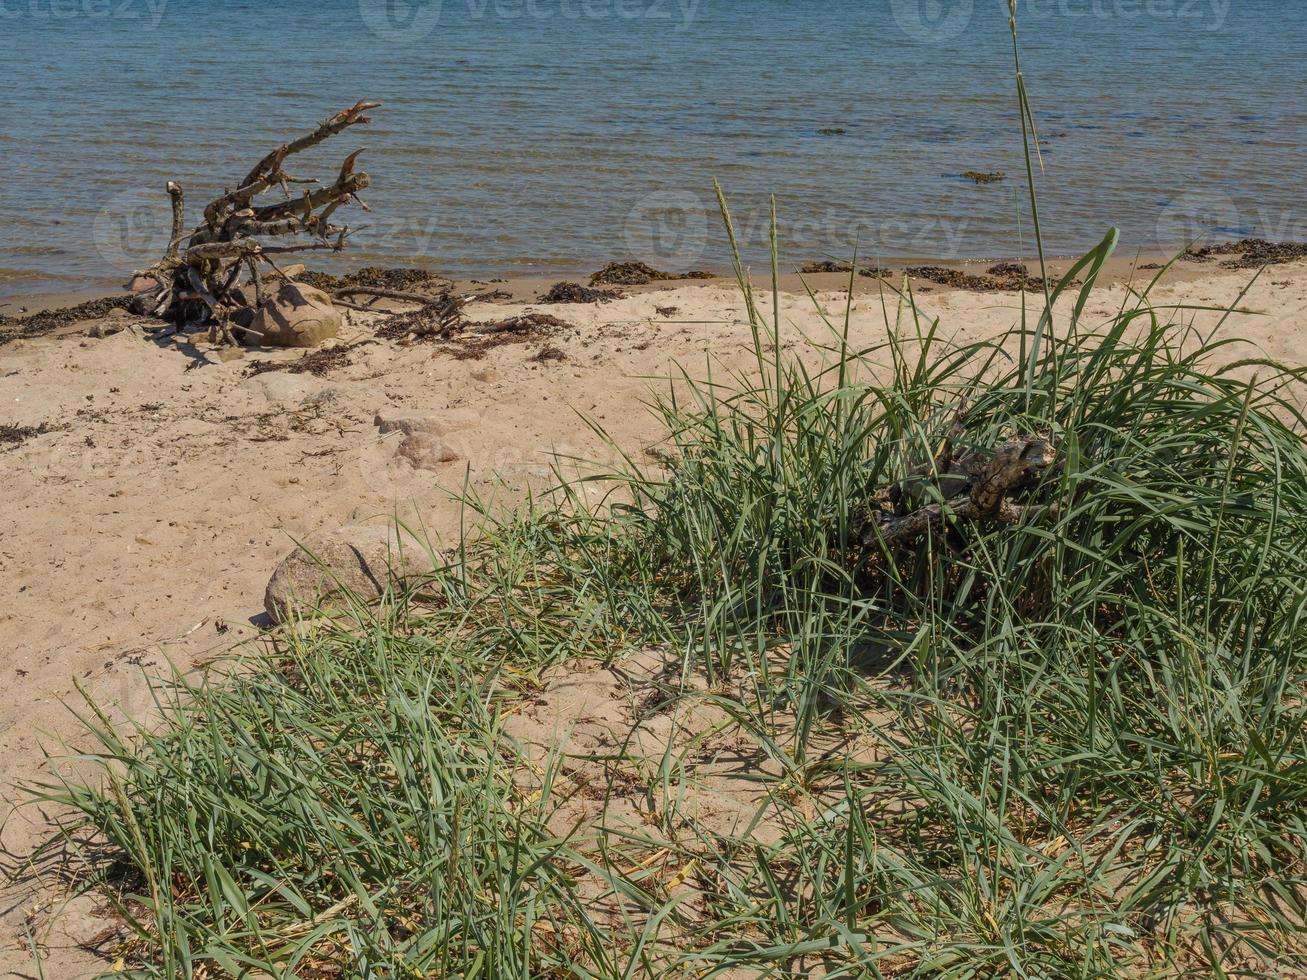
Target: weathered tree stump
201 278
959 486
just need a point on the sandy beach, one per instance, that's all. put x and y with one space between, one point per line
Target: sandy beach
151 487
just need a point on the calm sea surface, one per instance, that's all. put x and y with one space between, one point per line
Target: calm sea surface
549 136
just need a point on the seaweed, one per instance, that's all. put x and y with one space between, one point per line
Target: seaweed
1000 277
571 292
318 363
440 317
983 176
869 271
482 337
47 321
1252 253
372 275
640 274
13 435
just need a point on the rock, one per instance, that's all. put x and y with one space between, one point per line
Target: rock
294 270
428 451
357 558
139 284
485 375
296 316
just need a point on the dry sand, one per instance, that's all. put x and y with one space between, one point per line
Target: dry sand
140 530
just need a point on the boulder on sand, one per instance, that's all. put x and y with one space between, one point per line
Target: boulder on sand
358 558
296 315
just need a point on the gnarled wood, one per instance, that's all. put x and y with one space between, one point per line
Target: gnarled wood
199 275
970 486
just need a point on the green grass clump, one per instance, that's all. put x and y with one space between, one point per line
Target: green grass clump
342 808
1080 737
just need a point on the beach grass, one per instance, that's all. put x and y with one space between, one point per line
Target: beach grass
1080 737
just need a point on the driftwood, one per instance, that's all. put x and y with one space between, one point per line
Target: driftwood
959 486
200 278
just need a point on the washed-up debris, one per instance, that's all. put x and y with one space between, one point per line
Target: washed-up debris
571 292
318 363
998 278
39 324
983 176
13 435
1252 253
639 274
869 271
372 275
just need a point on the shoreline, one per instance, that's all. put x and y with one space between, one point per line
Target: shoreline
1140 265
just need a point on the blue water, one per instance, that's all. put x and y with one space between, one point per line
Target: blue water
549 136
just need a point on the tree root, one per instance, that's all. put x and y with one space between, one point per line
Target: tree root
973 485
198 278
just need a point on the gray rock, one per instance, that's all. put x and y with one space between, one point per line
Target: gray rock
357 558
296 316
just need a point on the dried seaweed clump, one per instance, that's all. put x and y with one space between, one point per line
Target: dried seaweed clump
571 292
39 324
998 278
478 338
372 275
12 435
639 274
438 317
869 271
1251 253
318 363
